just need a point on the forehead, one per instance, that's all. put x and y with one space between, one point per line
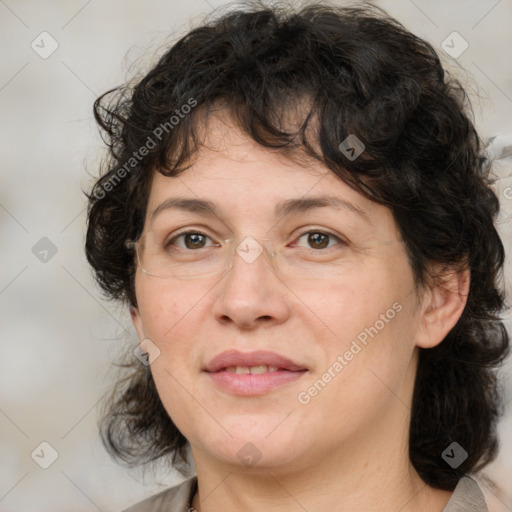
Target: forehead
238 176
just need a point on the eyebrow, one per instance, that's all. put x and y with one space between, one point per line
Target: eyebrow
283 208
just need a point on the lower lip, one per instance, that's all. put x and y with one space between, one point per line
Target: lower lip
253 384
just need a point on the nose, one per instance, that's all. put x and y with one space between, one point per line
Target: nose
251 293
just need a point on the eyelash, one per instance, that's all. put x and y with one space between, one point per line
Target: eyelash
316 231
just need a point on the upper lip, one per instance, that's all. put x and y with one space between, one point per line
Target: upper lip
259 358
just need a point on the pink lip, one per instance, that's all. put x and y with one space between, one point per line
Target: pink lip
248 384
258 358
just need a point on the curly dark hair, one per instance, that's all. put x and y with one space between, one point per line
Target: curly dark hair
359 72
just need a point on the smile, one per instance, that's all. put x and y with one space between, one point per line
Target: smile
253 373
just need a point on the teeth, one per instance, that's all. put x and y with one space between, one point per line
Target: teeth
253 370
258 369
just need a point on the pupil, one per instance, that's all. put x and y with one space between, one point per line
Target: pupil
314 239
195 239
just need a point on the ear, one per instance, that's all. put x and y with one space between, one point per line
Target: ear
137 322
442 306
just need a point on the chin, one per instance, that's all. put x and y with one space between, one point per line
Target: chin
254 446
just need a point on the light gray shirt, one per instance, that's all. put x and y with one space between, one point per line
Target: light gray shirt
467 497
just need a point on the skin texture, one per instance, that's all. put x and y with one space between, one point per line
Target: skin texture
347 449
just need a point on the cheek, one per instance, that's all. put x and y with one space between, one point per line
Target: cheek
164 309
372 319
366 370
344 309
175 391
169 320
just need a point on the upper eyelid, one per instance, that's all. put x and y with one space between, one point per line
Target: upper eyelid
296 237
192 231
343 240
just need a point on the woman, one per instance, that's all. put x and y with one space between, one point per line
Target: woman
297 211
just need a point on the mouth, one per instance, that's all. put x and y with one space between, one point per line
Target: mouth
253 373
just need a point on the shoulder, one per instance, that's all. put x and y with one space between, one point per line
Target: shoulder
467 497
175 499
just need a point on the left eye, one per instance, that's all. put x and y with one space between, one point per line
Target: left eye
319 239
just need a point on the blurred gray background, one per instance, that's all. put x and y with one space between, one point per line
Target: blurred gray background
59 338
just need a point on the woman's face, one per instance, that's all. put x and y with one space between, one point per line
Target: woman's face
348 335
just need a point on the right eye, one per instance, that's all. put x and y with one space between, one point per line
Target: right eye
189 240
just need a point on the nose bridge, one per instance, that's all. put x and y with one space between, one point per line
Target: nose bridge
251 249
250 290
